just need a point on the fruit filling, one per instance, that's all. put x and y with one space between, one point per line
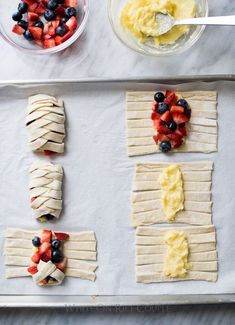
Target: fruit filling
170 115
48 247
46 22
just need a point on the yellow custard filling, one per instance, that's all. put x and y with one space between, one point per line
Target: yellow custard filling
172 196
138 17
176 260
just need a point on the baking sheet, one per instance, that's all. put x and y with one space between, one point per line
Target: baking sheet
98 182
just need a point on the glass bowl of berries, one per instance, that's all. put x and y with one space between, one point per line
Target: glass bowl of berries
43 26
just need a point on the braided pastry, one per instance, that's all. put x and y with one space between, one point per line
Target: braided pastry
45 190
45 124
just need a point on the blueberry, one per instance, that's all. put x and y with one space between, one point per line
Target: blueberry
52 4
56 243
172 126
23 24
70 11
49 217
165 146
23 7
159 97
57 256
60 1
17 16
36 241
183 103
61 30
49 15
39 24
64 20
162 108
28 35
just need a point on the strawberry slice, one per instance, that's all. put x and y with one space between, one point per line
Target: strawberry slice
157 123
166 117
46 236
162 129
155 106
29 2
60 12
170 98
58 40
36 32
40 9
18 30
182 129
62 265
44 247
61 235
71 3
155 116
179 118
33 7
32 199
55 23
45 257
36 257
177 109
176 140
48 152
67 36
48 43
160 137
71 24
32 16
32 269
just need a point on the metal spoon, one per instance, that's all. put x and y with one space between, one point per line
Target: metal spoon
166 22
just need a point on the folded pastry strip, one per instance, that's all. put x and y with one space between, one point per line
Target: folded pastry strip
146 196
151 251
46 190
79 249
45 123
202 127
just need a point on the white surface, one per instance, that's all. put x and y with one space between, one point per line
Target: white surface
99 53
98 182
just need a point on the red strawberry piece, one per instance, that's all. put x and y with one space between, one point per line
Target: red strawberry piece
155 116
71 24
32 269
179 118
18 30
33 199
48 152
62 265
29 2
40 9
160 137
32 16
157 123
182 129
36 32
48 43
39 42
36 257
46 236
58 40
170 98
166 117
59 12
51 31
61 235
45 257
71 3
176 140
55 23
67 36
162 129
177 109
44 247
155 106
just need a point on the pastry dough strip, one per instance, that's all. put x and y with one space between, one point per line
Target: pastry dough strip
191 275
161 248
196 266
184 166
158 231
154 195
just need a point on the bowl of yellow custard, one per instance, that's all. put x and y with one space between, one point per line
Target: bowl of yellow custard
134 23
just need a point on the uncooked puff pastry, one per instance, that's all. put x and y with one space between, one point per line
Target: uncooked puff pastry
79 250
202 127
45 123
46 190
151 251
146 196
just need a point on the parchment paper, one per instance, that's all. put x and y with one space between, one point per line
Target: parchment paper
98 183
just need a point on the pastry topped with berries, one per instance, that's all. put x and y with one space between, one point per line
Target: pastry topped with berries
171 121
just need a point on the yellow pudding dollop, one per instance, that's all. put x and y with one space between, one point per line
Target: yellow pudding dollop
176 260
138 17
172 196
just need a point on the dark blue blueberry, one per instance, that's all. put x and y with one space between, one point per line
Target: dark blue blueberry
17 16
183 103
165 146
52 4
162 108
56 243
36 241
23 24
22 7
70 11
49 15
28 35
64 20
172 126
57 256
60 1
159 97
61 30
39 24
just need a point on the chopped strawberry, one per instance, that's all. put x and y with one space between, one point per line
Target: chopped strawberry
155 116
166 117
44 247
55 23
58 40
176 140
71 24
71 3
36 32
170 98
32 16
179 118
155 106
45 257
36 257
177 109
39 42
32 269
62 265
33 7
48 43
157 123
61 235
29 2
182 129
67 36
159 137
18 30
59 12
162 129
48 152
40 9
46 236
33 199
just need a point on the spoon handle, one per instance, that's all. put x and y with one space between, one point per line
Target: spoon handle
220 20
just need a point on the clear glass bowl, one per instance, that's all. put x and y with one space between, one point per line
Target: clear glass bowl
6 24
181 45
